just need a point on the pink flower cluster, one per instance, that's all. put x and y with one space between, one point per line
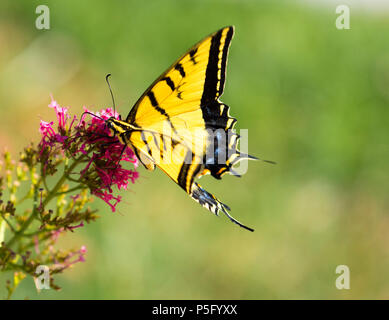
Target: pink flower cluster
71 259
91 140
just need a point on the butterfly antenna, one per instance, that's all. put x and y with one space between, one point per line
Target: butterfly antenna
110 90
90 113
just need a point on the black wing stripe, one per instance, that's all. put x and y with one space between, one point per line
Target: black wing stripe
211 79
192 54
180 69
169 82
212 87
152 99
185 180
227 41
182 176
162 111
144 139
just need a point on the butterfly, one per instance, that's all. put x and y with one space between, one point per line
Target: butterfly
180 126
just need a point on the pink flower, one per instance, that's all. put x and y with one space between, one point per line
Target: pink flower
82 252
49 136
46 129
56 233
71 228
90 141
62 114
68 262
108 198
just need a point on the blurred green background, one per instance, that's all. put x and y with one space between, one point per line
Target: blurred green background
315 100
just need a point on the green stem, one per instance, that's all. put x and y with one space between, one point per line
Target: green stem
2 229
9 224
49 197
45 184
70 190
27 194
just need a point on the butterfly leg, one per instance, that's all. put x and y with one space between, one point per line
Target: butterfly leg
120 157
99 136
109 143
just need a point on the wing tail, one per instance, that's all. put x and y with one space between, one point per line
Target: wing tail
210 202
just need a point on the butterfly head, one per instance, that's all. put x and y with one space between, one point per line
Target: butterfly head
117 127
112 126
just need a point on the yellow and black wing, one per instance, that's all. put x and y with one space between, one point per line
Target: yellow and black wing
178 116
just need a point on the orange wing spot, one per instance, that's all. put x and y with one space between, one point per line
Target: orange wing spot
204 172
221 170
